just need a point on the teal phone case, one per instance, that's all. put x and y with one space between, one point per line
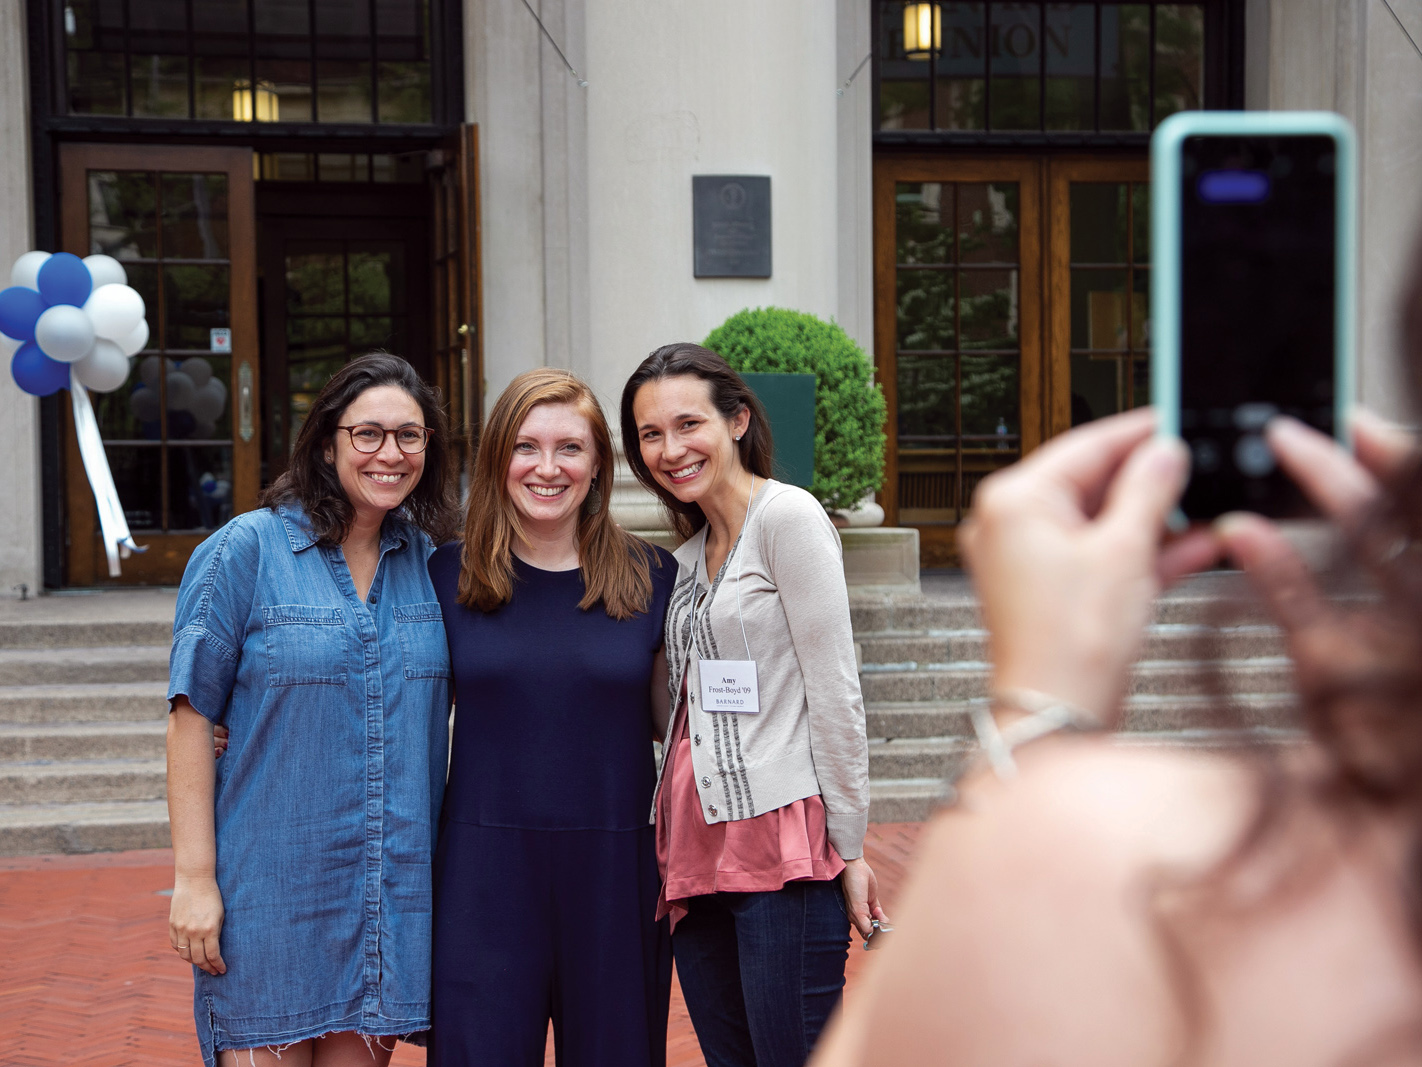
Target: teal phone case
1165 153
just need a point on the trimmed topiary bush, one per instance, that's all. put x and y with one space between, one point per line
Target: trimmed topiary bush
849 407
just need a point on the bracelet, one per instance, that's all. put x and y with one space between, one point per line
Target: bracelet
1045 715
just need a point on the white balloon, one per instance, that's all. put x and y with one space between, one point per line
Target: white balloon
135 342
104 369
217 386
152 367
145 404
180 391
205 430
198 369
25 272
116 310
105 270
65 333
208 403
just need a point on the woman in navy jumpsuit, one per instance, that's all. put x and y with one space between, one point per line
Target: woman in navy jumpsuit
546 875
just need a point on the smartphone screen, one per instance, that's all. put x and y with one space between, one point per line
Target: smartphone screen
1257 305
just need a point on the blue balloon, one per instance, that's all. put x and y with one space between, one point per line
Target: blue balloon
20 308
65 280
36 373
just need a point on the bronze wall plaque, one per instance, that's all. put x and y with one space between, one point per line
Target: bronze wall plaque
731 222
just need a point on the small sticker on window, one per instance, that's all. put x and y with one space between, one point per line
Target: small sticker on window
220 339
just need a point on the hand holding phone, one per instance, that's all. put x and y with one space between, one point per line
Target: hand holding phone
1253 253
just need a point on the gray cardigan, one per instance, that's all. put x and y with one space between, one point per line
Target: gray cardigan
808 737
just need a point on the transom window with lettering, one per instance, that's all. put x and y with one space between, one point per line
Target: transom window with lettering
325 61
1043 68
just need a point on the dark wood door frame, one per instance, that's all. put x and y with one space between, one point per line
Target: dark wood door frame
938 543
168 553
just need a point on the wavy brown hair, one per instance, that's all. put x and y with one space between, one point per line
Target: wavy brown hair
616 566
313 483
729 395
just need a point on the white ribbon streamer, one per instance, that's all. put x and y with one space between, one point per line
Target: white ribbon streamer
118 542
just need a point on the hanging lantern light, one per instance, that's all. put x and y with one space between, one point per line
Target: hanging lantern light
267 105
923 30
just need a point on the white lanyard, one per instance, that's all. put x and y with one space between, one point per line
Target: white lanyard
726 684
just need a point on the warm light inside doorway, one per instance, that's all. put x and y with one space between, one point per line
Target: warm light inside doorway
923 30
268 107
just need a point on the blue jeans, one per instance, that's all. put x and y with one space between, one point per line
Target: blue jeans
761 972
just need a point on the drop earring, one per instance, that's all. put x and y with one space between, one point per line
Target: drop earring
592 504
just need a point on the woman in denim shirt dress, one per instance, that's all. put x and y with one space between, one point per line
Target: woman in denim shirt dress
310 630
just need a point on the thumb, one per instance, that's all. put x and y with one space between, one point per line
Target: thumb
1148 486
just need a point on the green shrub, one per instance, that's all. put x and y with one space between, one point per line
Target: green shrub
849 408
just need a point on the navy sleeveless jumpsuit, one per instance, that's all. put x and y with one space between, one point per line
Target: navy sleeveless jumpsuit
545 873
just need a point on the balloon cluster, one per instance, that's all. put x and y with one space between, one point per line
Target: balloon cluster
62 315
196 398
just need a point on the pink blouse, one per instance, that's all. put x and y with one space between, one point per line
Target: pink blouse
753 855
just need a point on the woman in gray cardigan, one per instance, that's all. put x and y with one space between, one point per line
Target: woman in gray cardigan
763 796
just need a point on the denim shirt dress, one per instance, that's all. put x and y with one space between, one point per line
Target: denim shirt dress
329 793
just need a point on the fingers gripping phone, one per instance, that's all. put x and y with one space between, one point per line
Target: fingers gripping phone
1253 250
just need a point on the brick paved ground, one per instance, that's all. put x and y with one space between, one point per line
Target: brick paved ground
87 978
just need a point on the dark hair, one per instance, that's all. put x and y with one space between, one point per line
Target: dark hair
729 394
313 483
615 564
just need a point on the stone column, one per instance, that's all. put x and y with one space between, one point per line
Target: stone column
21 557
1355 57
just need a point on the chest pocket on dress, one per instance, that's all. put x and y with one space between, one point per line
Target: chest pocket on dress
306 645
422 640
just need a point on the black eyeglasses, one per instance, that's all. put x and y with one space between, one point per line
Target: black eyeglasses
368 437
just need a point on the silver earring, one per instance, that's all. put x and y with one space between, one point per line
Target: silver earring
738 437
593 503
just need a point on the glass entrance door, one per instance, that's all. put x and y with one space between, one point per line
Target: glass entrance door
181 435
1099 265
957 333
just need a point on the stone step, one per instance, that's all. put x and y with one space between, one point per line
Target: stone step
113 702
83 827
927 650
82 781
96 665
31 742
919 757
903 787
1143 713
85 634
1225 602
906 800
969 680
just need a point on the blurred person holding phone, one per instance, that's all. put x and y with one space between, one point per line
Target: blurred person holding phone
1100 904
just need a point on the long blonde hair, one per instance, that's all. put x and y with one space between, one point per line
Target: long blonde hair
614 563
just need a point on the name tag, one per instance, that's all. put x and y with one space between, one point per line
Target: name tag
729 685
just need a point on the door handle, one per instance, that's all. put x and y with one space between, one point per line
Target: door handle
244 401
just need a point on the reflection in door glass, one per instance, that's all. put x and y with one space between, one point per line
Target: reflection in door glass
958 346
168 430
1110 306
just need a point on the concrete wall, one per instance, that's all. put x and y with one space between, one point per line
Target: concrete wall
20 552
587 191
1354 57
685 87
533 168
